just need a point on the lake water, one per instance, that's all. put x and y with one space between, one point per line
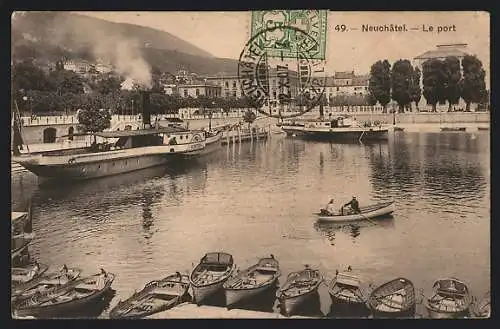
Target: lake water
252 200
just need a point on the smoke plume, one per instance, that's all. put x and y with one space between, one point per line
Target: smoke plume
110 44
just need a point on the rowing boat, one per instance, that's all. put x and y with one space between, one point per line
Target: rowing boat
48 281
395 298
209 275
450 299
367 212
67 298
299 288
347 292
22 275
482 309
156 296
252 281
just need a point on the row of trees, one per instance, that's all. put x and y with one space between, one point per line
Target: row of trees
63 91
442 82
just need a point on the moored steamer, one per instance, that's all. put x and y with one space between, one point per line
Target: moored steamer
120 152
340 128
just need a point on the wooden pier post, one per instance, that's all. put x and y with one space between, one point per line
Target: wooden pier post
239 133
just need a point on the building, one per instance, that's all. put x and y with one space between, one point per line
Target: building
103 68
346 83
196 90
443 51
231 87
77 66
170 89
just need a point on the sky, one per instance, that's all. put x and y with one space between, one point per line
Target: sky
224 34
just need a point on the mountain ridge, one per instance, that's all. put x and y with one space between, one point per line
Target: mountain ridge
55 35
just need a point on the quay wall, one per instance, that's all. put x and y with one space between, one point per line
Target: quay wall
52 130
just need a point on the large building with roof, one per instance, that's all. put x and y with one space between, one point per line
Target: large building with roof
442 51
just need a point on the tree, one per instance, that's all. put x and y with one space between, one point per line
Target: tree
92 119
434 78
249 117
379 84
27 76
156 77
473 85
415 90
65 81
453 78
370 100
401 75
108 84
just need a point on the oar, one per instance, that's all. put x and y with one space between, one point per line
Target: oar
368 219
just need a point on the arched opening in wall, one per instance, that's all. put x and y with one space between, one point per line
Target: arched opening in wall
49 135
71 131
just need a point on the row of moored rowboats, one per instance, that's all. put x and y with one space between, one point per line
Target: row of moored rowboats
36 293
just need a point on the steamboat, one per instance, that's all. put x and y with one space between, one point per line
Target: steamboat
342 128
118 151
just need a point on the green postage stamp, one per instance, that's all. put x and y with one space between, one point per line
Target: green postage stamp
284 43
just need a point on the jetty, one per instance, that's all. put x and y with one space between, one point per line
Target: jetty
236 136
192 311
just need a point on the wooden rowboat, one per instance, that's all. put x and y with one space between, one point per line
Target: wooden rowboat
450 299
44 283
156 296
209 275
482 309
252 281
347 292
23 275
62 300
395 298
299 288
367 212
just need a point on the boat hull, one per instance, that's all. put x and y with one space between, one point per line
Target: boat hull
212 144
408 314
290 305
340 134
433 314
234 296
201 293
343 304
90 170
64 308
380 212
40 312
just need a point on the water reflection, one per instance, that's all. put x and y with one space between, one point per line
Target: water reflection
427 168
352 229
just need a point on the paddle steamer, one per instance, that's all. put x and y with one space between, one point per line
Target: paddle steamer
119 152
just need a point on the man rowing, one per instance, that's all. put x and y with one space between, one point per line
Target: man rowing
354 204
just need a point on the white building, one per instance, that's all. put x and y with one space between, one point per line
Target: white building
77 66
